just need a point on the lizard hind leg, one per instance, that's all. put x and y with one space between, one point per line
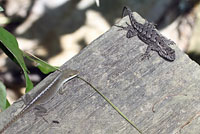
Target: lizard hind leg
41 111
146 55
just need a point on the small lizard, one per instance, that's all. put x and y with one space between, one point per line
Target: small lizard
49 92
45 95
149 35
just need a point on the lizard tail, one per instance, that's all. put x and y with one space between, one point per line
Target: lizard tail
10 122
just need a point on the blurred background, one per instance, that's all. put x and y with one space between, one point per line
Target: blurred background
56 30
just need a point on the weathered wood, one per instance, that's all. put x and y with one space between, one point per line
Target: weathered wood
112 64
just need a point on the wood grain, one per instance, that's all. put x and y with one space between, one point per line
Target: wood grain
112 64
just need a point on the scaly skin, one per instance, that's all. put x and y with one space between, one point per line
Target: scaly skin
44 95
149 35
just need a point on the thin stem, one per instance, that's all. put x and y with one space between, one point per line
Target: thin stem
111 104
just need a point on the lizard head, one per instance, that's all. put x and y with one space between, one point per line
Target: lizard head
68 73
72 73
167 53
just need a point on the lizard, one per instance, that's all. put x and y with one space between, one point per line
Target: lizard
149 35
49 92
44 95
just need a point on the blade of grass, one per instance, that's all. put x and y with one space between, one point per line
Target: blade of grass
115 107
1 9
42 65
2 97
10 46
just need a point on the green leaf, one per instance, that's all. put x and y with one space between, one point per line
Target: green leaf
10 46
2 97
42 65
7 103
29 84
1 9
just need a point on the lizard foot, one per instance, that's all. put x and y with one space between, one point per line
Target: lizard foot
26 99
144 56
41 111
128 27
131 31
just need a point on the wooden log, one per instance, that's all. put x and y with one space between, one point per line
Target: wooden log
160 97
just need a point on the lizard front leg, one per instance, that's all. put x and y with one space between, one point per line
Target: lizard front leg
131 31
26 100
